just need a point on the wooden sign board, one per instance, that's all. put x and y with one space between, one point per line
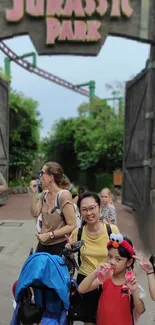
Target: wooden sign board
77 27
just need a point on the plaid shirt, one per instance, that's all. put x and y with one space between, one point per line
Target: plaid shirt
108 214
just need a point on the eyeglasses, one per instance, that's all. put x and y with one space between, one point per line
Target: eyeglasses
90 209
42 172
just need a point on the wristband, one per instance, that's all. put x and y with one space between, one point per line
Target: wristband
150 273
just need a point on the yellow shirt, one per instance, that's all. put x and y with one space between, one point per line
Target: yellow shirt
94 252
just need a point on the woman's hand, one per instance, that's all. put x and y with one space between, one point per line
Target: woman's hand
144 263
43 238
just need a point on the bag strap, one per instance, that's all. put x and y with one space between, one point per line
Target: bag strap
131 308
79 233
79 236
109 231
59 209
44 196
57 206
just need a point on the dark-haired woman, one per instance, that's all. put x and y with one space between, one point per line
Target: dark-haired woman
94 252
120 299
56 207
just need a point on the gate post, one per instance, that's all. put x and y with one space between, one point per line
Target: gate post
152 189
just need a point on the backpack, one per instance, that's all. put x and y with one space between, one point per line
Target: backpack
109 231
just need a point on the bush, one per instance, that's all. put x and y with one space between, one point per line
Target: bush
103 180
23 182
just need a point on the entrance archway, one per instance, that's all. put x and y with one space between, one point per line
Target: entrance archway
78 27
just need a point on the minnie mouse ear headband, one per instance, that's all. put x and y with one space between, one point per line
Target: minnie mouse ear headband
118 241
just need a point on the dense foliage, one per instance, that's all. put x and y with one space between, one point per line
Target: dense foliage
24 134
92 140
86 146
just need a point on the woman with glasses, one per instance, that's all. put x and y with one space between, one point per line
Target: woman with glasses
56 207
94 252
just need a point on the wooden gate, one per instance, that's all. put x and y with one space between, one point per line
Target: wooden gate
4 133
138 141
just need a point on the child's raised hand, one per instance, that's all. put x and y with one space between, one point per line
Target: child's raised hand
69 242
131 281
144 263
129 276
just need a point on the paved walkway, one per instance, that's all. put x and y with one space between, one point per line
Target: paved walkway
17 240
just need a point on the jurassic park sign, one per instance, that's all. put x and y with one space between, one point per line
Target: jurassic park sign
77 27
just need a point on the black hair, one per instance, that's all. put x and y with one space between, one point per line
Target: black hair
30 313
86 195
81 190
123 252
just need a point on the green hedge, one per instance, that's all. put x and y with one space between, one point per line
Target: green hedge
103 180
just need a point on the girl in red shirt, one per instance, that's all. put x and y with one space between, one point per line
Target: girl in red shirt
120 297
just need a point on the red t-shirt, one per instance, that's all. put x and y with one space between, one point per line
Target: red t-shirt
114 305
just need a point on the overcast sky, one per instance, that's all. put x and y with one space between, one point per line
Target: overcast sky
118 60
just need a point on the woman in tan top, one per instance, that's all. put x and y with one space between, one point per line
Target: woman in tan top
57 208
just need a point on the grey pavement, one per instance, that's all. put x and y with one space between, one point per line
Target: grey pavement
17 241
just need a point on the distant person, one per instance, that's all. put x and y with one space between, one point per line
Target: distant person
80 192
108 212
34 184
3 185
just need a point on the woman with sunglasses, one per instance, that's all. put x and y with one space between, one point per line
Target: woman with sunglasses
57 221
94 252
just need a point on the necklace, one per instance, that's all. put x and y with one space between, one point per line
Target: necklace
50 200
94 233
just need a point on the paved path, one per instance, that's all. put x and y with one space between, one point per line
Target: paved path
17 241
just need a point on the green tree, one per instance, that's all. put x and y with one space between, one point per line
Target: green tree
92 140
99 138
3 75
84 109
59 145
24 134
